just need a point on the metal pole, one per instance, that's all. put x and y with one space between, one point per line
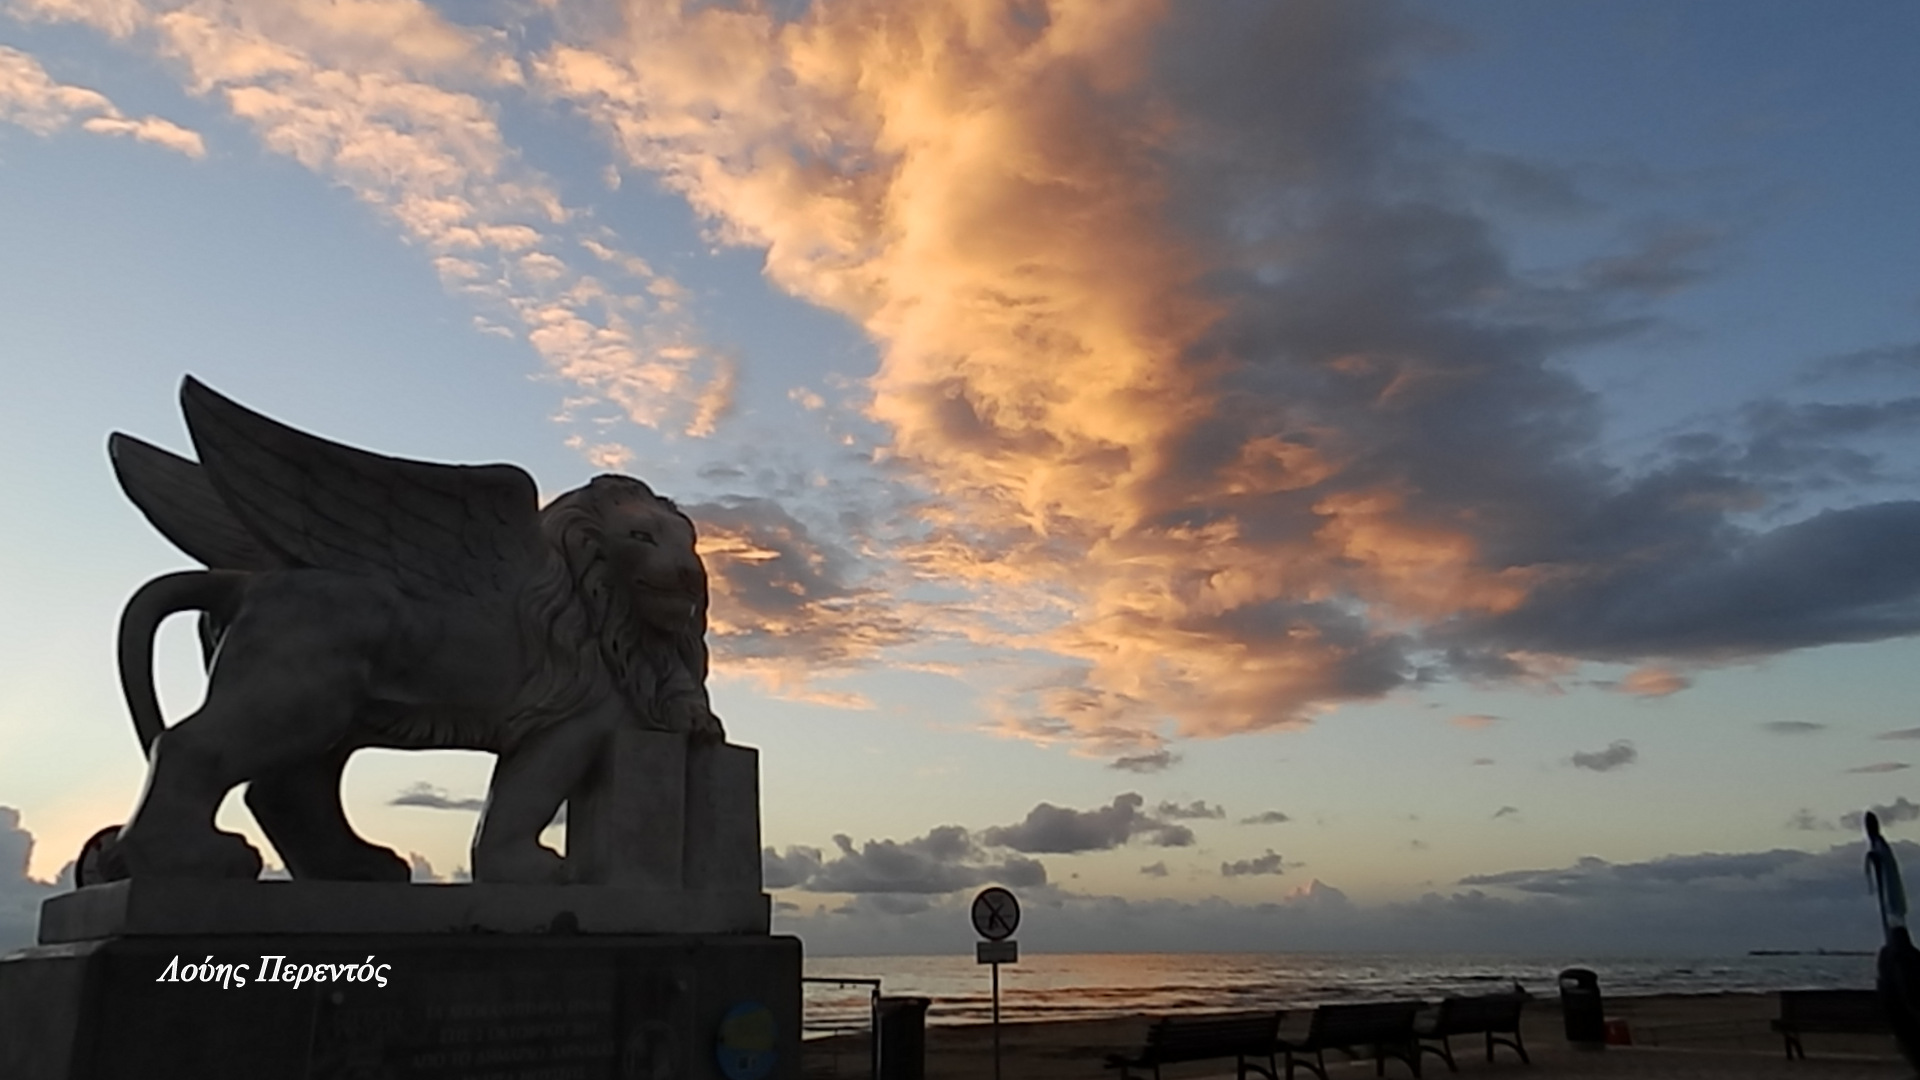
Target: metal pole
996 1020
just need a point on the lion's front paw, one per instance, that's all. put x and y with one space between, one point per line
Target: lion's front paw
373 863
520 864
692 714
213 855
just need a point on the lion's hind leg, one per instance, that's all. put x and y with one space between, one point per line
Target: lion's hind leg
298 807
171 832
283 691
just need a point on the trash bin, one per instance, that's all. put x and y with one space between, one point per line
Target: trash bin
900 1038
1580 1005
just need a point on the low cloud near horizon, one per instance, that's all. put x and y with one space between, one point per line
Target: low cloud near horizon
20 895
1707 904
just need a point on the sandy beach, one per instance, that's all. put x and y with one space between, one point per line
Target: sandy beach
1703 1036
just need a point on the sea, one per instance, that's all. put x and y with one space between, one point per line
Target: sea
1088 986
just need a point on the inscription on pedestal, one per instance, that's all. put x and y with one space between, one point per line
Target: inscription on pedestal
560 1023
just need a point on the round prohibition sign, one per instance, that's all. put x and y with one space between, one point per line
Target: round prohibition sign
996 914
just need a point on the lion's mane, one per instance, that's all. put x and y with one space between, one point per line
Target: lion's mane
584 635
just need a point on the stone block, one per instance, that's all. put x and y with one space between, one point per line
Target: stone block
723 818
627 824
524 1006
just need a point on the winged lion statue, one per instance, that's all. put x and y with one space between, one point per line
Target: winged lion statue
353 600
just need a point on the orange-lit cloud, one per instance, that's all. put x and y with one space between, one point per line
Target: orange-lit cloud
1654 682
786 608
981 185
1242 426
986 187
34 100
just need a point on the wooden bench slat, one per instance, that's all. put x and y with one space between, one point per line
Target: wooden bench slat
1177 1039
1386 1026
1496 1016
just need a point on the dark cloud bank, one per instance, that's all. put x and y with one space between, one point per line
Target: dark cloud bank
1706 904
909 897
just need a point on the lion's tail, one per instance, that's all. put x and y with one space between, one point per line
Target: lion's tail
187 590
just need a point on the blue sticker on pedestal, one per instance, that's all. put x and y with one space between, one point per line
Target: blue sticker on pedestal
745 1045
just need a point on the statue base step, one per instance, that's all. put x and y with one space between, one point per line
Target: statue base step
172 906
704 1007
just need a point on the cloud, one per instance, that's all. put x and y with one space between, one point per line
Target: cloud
1712 873
390 100
794 868
788 605
1266 817
1482 761
1898 812
1784 448
32 99
420 870
1506 811
421 793
1158 869
1202 352
945 860
1665 259
1879 767
1897 359
1264 864
1151 762
1250 396
1804 820
1693 904
1792 727
1653 682
1050 828
20 895
612 457
1902 733
1198 810
1617 754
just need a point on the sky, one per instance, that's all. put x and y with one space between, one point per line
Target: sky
1240 473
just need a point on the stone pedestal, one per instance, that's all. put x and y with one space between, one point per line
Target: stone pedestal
658 965
553 1007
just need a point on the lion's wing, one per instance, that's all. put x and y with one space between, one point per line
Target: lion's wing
439 528
177 498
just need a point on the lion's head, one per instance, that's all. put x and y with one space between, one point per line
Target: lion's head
620 607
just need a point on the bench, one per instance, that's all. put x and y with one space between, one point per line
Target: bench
1496 1016
1386 1026
1840 1012
1245 1037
